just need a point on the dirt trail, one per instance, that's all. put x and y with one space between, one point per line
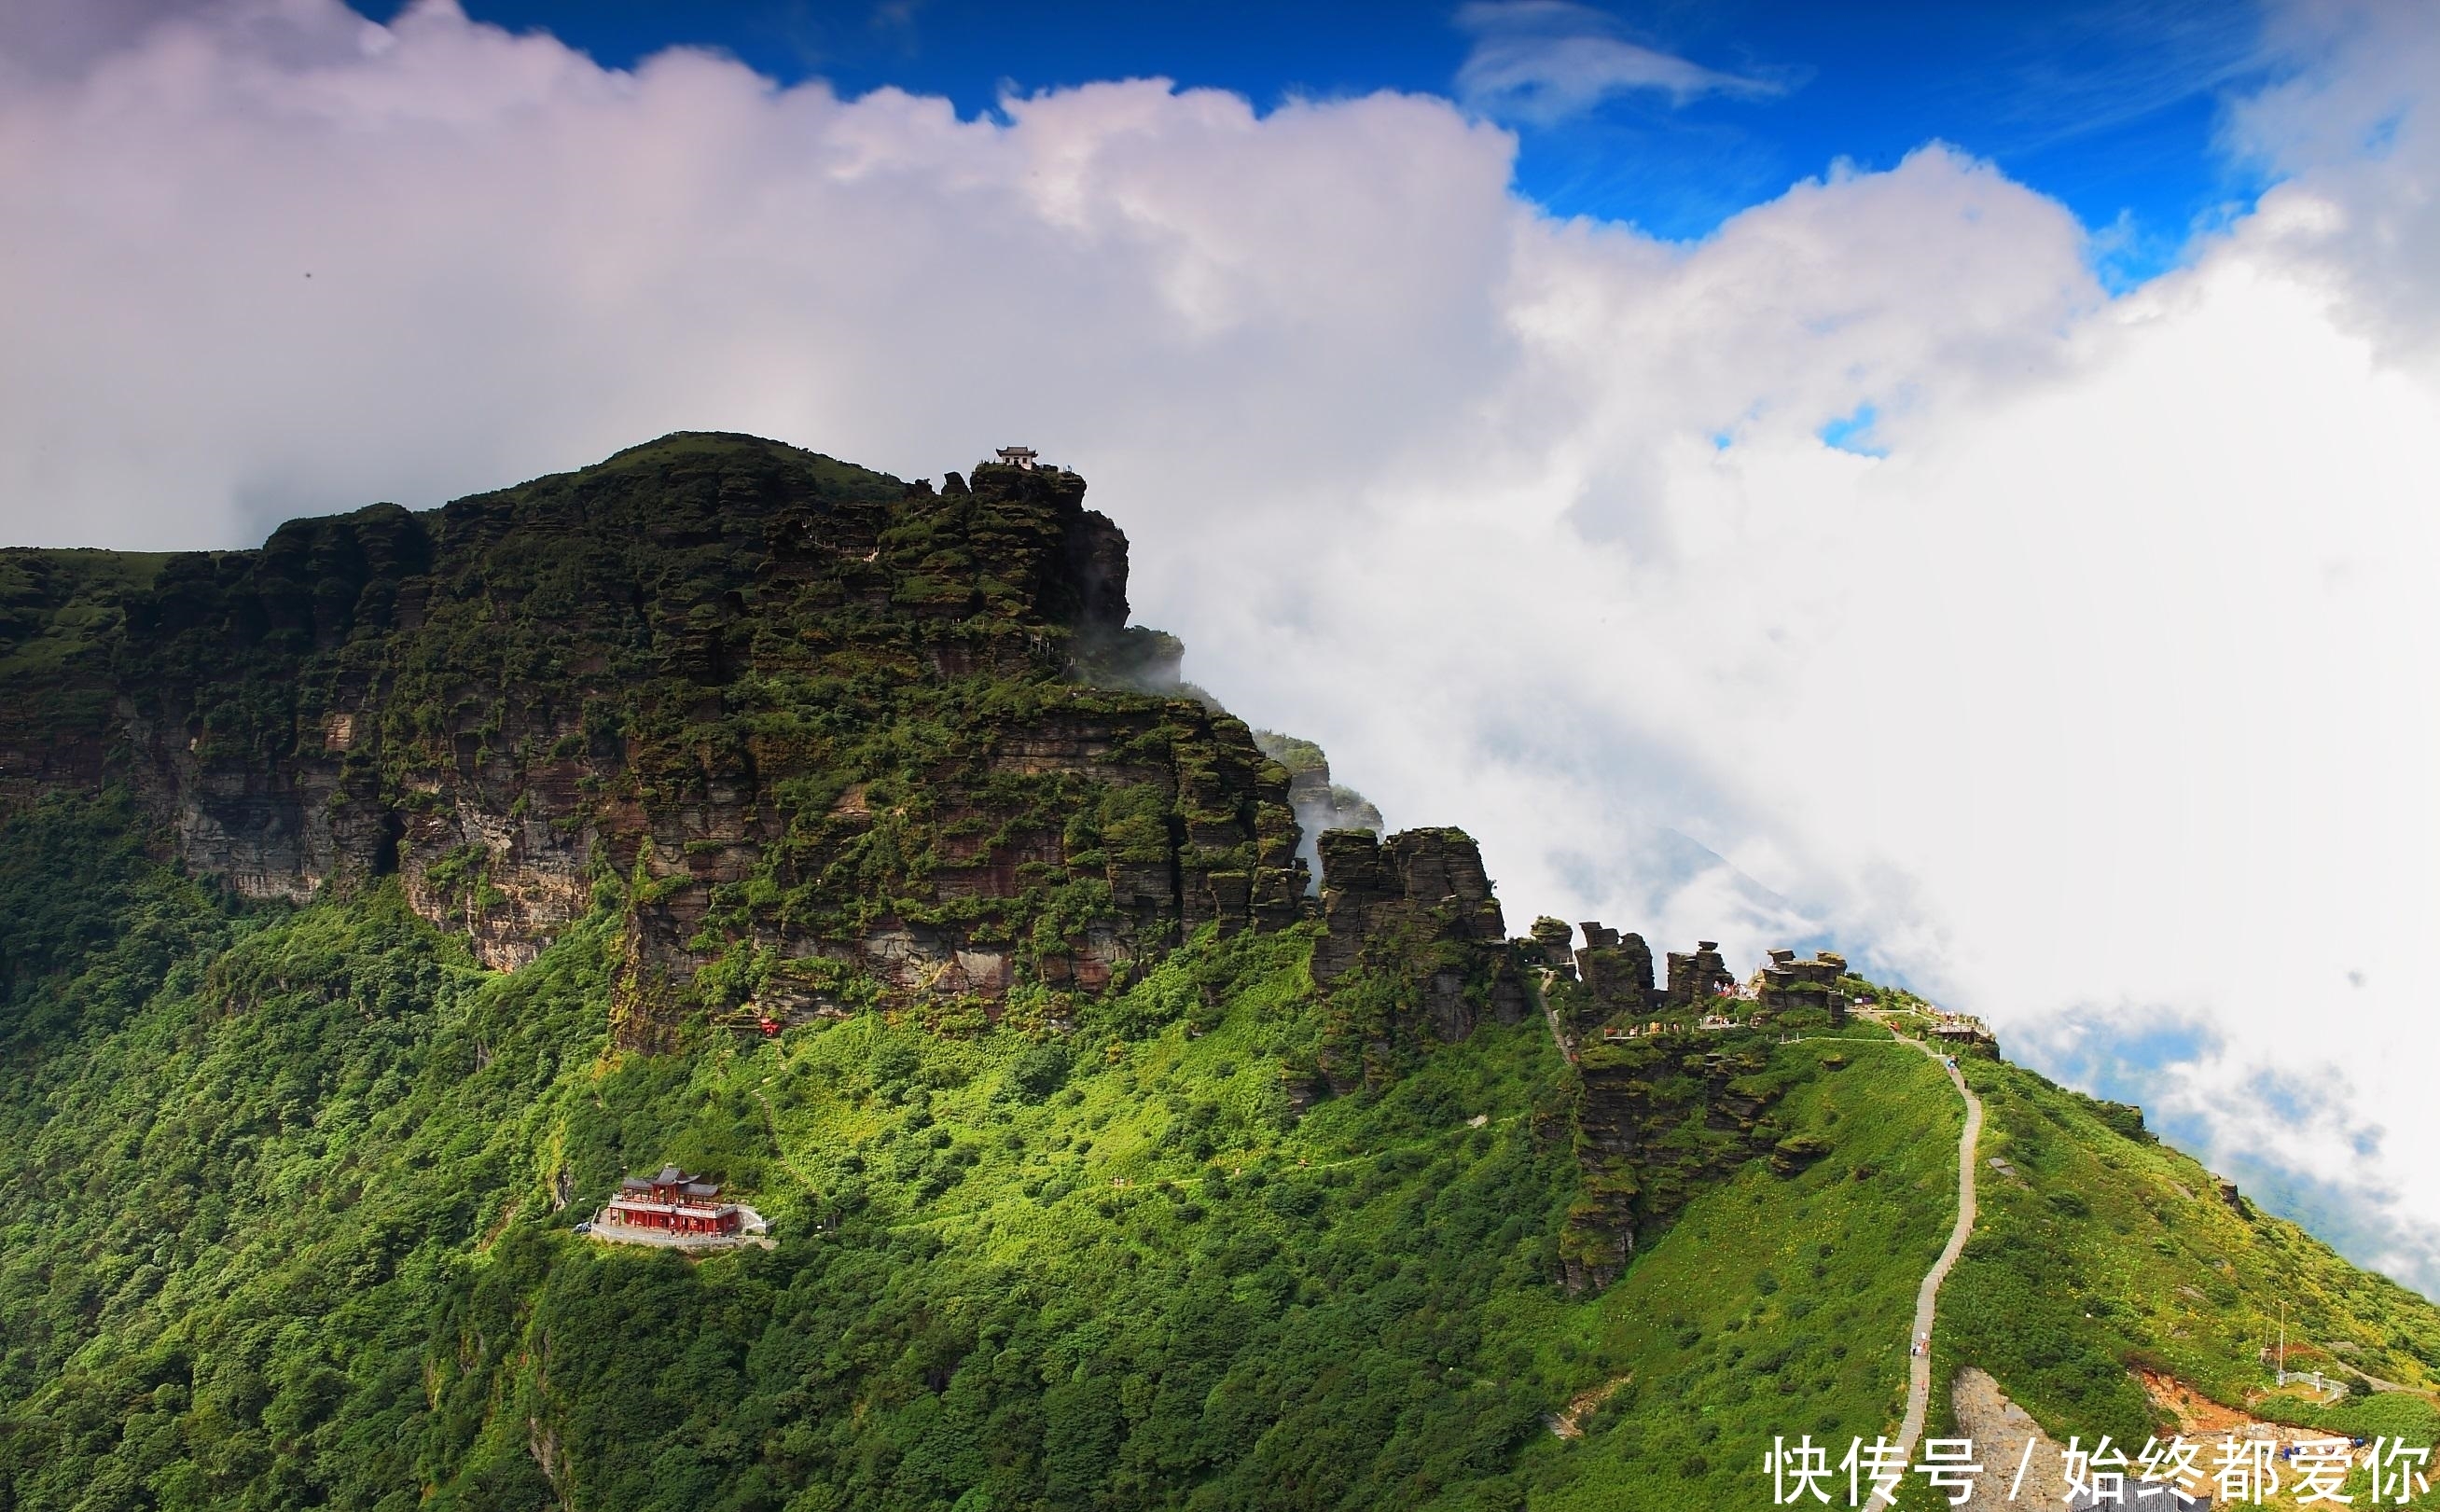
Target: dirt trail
1570 1421
2001 1431
1919 1363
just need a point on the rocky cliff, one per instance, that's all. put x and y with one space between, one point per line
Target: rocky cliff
1616 970
298 1202
1415 948
1696 977
835 737
1319 802
1787 985
1667 1095
1654 1121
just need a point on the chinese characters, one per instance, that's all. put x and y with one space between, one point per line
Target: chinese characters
2177 1474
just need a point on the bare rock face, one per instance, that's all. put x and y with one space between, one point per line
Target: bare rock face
830 740
1420 885
1695 978
1657 1119
1548 946
1789 986
1414 944
1616 970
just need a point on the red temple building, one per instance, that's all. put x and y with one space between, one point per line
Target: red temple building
672 1203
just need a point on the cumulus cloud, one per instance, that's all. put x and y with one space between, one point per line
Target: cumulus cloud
43 39
1545 61
2097 696
2353 133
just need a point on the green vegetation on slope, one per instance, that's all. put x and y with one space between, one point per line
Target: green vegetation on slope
1779 1305
2099 1247
283 1234
292 1194
854 740
287 1230
59 607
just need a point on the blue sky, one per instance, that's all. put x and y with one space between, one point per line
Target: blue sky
2113 109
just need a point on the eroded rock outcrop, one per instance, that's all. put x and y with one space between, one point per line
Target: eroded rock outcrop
1616 970
1414 945
1696 977
831 737
1320 803
1547 945
1654 1121
1787 985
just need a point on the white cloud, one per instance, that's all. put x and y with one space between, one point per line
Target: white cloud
1545 61
2354 130
43 39
2100 695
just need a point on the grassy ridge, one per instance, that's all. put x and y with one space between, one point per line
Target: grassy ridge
2099 1247
60 606
1775 1306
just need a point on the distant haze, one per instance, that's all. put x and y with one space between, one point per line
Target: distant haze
2085 682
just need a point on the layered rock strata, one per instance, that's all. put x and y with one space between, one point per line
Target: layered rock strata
1414 917
1654 1122
1547 945
1616 970
825 732
1789 986
1696 977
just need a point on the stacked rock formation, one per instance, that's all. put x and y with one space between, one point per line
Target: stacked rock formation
1547 945
1789 986
1616 970
1694 980
1415 909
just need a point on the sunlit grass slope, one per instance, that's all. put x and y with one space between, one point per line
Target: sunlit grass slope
2100 1248
283 1233
1778 1305
292 1196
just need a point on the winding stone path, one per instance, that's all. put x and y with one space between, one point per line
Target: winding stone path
1928 1295
1919 1366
